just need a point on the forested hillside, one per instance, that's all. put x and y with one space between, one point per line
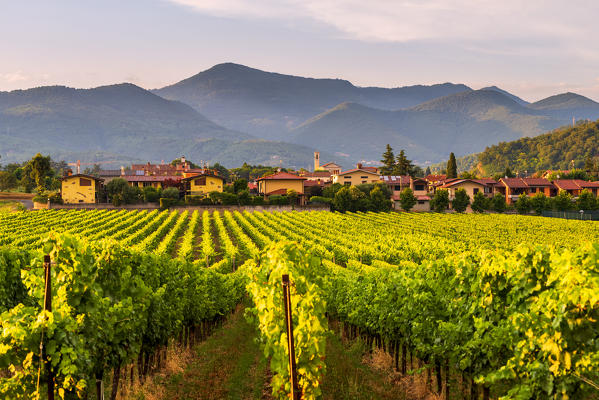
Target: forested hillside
560 149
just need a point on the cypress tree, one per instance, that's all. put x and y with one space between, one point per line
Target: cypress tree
388 161
428 171
452 167
403 166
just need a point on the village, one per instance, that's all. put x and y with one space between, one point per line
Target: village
306 187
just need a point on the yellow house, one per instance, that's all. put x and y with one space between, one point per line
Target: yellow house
203 184
80 188
357 176
280 183
471 186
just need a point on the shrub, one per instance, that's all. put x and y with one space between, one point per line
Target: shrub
195 200
586 201
257 200
167 202
562 202
278 200
150 194
498 203
170 193
480 203
539 203
321 199
440 201
223 198
461 201
407 200
522 204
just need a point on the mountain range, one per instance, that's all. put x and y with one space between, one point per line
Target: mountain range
232 114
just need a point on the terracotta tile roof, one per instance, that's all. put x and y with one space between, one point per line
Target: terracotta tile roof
110 172
574 184
252 185
277 192
82 176
330 164
587 184
396 179
435 178
536 182
423 198
514 183
150 178
202 173
460 181
281 175
487 181
316 174
371 169
349 171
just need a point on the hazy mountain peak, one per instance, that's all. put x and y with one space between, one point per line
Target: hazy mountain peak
565 101
470 102
508 94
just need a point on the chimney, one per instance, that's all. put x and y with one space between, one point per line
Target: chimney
78 167
182 159
69 172
122 170
316 160
359 165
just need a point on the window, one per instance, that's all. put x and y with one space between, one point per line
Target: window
364 181
420 201
347 176
533 190
85 182
397 188
200 181
419 187
475 191
347 183
363 177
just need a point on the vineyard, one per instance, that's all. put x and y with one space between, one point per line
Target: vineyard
506 305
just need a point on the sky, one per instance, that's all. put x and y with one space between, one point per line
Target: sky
532 48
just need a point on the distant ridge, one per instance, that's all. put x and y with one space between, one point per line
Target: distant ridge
124 122
508 94
269 105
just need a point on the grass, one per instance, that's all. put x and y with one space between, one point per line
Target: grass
10 206
230 365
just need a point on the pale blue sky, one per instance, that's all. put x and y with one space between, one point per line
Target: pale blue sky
533 48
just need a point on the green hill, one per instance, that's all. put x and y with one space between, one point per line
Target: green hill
124 123
553 150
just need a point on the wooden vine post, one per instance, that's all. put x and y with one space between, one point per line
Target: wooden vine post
296 393
48 307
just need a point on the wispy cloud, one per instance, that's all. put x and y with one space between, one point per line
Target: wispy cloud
408 20
12 77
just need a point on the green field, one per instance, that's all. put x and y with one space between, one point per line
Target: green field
466 305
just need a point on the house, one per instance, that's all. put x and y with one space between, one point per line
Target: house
155 181
575 186
512 188
279 183
205 182
80 189
333 168
471 186
357 176
318 176
419 187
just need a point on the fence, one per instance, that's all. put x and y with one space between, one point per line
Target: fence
580 215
